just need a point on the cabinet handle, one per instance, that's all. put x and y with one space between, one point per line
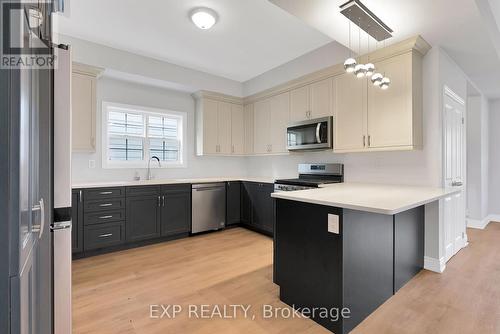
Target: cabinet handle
80 193
364 141
369 141
163 200
270 147
106 204
106 235
105 217
105 193
159 201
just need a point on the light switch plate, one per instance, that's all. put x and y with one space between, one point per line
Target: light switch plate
333 224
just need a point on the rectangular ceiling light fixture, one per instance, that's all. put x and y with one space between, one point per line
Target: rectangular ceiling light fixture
361 16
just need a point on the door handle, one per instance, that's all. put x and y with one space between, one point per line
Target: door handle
457 183
318 129
39 228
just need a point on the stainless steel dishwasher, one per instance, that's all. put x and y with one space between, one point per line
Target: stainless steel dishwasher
208 207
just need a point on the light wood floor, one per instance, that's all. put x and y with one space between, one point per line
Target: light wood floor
112 293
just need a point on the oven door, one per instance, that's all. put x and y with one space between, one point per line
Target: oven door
312 134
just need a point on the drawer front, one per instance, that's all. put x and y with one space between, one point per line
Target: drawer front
103 217
104 235
176 188
104 205
143 190
103 193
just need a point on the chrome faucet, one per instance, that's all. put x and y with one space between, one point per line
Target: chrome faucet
149 177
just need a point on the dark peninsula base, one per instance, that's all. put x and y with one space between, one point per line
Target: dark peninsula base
371 258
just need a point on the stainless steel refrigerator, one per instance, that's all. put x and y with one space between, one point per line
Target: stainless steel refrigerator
35 251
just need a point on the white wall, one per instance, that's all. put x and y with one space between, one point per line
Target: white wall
494 158
330 54
111 90
477 157
137 67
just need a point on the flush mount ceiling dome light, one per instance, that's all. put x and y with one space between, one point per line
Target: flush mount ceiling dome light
204 18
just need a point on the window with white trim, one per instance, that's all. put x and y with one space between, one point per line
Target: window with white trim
132 135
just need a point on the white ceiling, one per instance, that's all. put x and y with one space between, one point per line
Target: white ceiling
251 37
456 25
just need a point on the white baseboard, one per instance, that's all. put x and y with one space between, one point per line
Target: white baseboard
481 224
435 265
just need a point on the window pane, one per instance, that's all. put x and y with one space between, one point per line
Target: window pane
163 127
165 150
122 123
125 149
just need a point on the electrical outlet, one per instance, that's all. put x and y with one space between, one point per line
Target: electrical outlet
333 224
91 164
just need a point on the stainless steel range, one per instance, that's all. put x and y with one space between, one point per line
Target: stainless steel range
312 176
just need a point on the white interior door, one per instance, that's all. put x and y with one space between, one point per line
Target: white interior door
454 173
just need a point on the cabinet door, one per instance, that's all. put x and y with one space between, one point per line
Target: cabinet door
350 113
83 112
233 203
143 217
262 118
210 126
263 207
246 203
321 98
299 104
176 213
249 128
224 128
77 221
390 113
237 129
280 117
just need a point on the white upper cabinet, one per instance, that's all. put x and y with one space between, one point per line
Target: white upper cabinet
220 127
83 111
224 128
280 117
368 118
248 114
393 116
262 126
321 98
237 129
299 104
349 125
311 101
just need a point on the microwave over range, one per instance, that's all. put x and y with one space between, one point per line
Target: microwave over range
313 134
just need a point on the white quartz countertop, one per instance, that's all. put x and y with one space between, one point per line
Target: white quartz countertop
101 184
376 198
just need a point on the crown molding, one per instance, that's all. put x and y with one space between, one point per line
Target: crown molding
87 69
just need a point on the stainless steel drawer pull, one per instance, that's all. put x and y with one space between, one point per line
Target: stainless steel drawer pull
105 217
107 235
106 204
105 192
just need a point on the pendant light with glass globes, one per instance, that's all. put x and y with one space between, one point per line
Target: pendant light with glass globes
375 28
350 63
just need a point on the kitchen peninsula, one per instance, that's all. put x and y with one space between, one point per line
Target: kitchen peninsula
351 245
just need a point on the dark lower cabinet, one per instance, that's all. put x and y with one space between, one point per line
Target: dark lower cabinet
233 202
104 235
143 217
246 204
77 221
175 210
258 206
